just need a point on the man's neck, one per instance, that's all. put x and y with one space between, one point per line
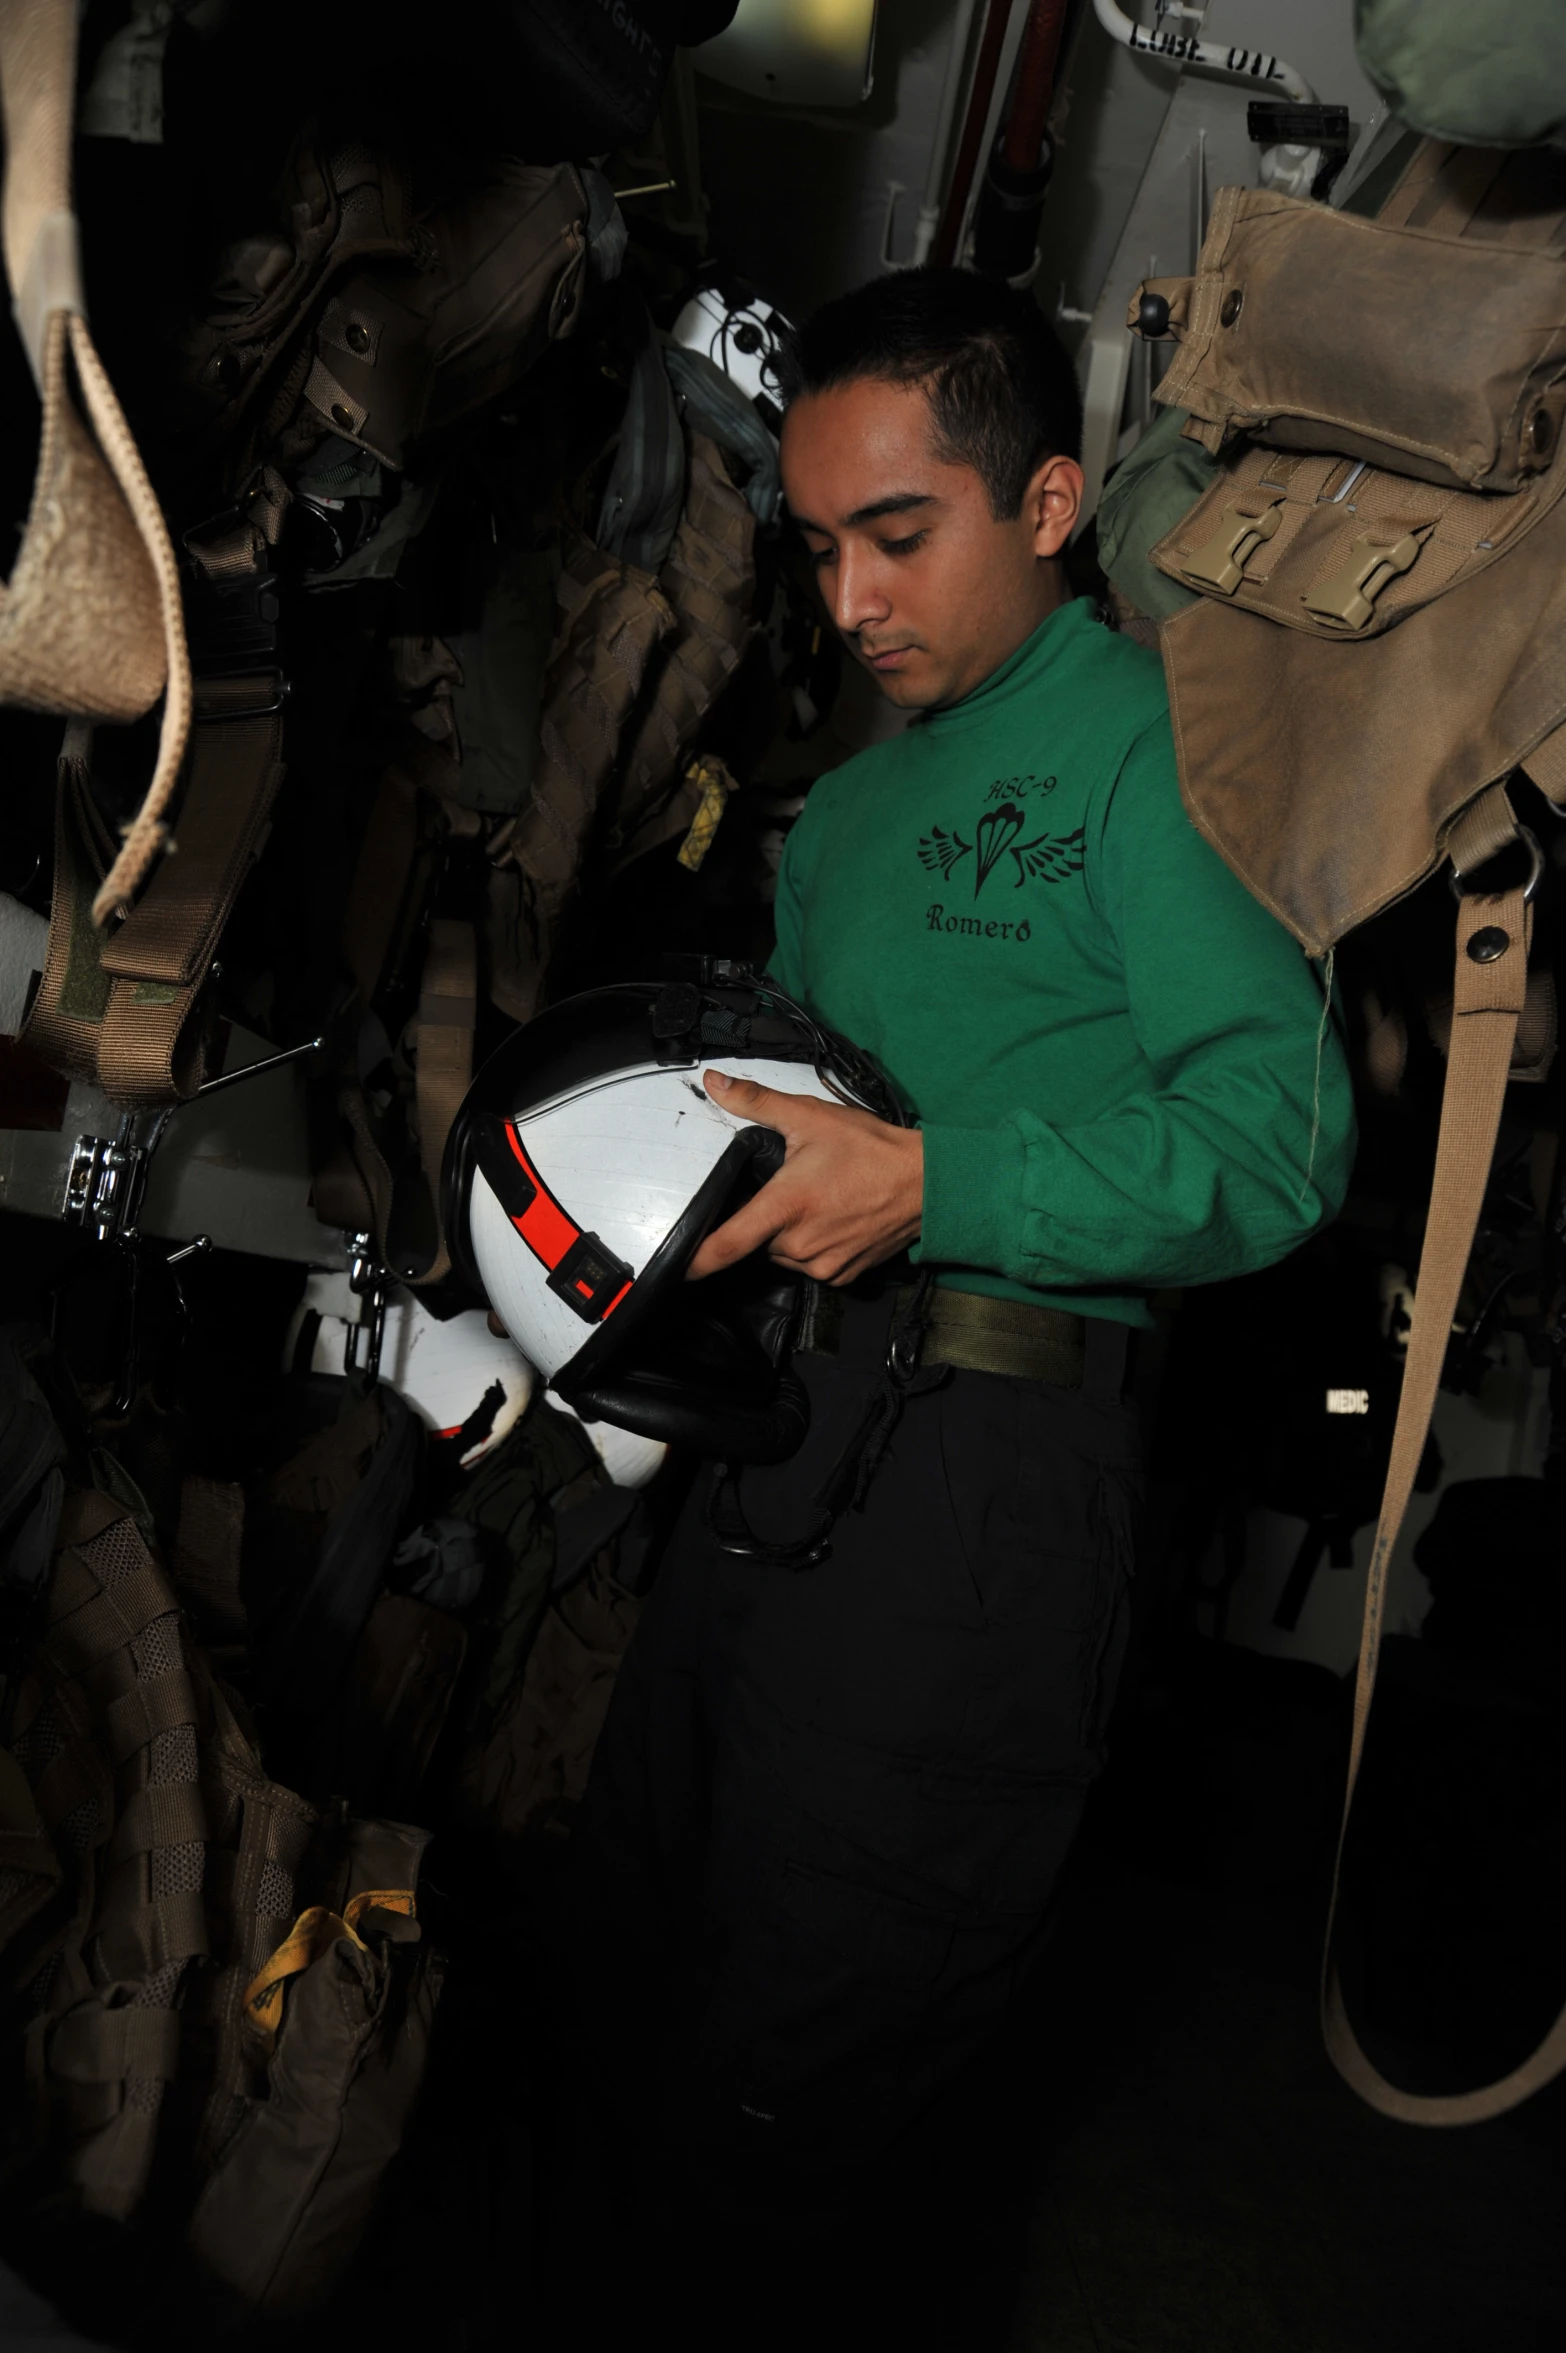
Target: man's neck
1052 591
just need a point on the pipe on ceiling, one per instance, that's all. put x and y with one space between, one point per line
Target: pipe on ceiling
1214 57
1011 201
998 16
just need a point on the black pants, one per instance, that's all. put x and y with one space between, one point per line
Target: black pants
830 1805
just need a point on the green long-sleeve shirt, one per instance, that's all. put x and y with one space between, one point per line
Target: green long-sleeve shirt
1118 1059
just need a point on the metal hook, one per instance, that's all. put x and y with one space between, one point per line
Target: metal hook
369 1281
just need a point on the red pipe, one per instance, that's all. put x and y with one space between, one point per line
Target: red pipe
944 251
1035 84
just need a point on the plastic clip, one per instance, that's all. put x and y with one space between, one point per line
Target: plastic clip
1219 563
1348 594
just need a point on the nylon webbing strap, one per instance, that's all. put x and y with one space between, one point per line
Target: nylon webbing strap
357 1188
1006 1336
448 1011
158 959
380 881
73 991
139 1941
136 1718
119 1012
169 1814
1491 978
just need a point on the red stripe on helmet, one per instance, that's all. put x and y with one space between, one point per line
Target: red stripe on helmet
549 1230
546 1228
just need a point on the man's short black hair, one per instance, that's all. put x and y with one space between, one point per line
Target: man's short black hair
1003 393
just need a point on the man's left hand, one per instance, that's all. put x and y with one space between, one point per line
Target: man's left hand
850 1191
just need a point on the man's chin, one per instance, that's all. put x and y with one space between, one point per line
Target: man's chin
911 689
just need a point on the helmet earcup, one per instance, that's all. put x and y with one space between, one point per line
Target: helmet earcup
702 1376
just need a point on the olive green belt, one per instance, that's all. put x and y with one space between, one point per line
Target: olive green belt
977 1335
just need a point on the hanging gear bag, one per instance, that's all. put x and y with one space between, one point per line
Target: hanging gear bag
1341 736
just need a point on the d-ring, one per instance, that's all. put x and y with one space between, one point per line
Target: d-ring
1461 889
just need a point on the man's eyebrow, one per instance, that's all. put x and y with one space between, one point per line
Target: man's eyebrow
902 502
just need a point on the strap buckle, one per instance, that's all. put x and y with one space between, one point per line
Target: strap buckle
1348 593
1219 563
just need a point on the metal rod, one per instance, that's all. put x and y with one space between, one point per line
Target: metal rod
231 1078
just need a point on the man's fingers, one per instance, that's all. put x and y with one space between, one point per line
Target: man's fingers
746 1100
750 1228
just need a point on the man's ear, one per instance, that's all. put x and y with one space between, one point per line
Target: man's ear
1052 503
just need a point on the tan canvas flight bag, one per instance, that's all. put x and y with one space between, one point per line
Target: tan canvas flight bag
1378 646
1301 324
90 620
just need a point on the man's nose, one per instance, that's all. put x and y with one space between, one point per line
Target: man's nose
861 601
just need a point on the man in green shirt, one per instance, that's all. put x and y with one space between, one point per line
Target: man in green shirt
838 1798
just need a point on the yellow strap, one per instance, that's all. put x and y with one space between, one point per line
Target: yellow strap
716 785
312 1934
381 1899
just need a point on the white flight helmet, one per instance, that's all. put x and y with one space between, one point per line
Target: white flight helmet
586 1165
460 1378
728 322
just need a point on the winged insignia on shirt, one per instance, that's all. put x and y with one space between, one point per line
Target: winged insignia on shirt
943 850
1049 857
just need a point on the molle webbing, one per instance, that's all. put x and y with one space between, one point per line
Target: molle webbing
170 1848
259 1834
108 1723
